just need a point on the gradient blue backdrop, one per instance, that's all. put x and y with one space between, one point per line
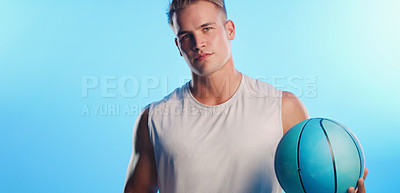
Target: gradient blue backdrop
74 74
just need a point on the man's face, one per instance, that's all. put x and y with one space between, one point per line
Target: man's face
203 37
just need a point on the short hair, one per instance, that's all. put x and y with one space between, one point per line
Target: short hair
177 5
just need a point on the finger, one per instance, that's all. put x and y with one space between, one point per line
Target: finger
351 190
365 173
360 185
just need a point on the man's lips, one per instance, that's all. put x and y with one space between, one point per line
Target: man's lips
202 56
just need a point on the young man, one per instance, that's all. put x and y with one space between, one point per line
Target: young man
218 132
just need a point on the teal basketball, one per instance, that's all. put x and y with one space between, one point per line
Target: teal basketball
319 155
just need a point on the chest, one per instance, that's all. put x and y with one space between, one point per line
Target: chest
231 134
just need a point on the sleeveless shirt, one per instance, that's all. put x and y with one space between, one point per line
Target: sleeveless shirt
216 149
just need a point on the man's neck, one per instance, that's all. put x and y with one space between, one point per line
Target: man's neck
216 88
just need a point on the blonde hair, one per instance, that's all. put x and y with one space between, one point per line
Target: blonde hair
177 5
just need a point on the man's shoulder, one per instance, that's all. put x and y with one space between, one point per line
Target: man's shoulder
172 98
293 111
261 88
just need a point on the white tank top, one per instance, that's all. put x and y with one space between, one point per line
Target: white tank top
217 149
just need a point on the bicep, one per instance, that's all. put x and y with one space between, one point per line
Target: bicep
142 173
293 111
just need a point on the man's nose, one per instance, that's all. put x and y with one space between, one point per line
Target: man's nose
198 42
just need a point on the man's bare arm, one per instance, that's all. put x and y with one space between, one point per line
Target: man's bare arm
141 176
293 111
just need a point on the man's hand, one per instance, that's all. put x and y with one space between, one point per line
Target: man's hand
360 184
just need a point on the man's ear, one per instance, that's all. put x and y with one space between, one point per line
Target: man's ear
176 43
230 29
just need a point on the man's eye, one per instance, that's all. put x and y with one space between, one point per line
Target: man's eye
185 36
207 29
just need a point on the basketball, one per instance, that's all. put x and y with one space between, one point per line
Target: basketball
319 155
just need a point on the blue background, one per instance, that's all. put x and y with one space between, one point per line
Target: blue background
74 75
